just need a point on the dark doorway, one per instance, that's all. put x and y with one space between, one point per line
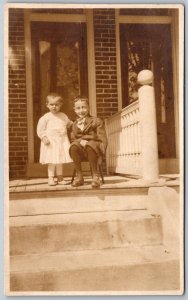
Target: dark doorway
59 64
148 46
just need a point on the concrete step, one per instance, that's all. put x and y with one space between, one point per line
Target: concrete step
42 190
79 231
28 204
138 268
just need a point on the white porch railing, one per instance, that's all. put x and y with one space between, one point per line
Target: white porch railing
124 144
132 135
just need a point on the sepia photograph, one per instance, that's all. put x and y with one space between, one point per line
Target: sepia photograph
94 155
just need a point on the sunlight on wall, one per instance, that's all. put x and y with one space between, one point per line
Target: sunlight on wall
15 60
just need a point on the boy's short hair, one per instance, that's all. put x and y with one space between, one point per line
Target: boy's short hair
53 96
81 98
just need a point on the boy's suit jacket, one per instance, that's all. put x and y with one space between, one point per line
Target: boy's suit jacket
93 131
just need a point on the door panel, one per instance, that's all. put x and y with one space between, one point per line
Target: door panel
59 64
147 46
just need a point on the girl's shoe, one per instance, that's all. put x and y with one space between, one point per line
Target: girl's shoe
60 180
51 181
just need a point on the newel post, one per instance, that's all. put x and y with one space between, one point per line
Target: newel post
150 168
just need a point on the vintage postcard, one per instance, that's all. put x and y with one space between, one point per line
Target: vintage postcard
94 153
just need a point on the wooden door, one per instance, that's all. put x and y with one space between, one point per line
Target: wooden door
59 64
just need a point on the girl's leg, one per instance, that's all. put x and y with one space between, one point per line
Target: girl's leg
51 174
59 173
59 169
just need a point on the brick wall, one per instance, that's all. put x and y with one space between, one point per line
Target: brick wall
106 81
18 147
105 58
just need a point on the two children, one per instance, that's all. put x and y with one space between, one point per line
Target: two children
88 140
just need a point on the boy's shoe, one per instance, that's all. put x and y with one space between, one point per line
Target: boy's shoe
60 180
95 181
51 181
79 181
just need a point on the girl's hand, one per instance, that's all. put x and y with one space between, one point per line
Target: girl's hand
45 140
83 143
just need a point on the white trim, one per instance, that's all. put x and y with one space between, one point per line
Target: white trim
175 66
145 19
91 6
29 91
118 60
68 18
91 63
5 146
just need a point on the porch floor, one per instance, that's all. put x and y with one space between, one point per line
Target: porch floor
111 182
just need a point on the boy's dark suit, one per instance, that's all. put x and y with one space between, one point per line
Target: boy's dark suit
94 132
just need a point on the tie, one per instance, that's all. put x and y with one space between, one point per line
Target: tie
80 123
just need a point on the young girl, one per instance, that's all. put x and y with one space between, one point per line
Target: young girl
52 130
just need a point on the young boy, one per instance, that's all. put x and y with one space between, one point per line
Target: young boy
88 141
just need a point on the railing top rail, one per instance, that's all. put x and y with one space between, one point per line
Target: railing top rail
125 110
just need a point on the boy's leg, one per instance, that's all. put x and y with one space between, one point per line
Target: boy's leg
93 158
77 157
51 174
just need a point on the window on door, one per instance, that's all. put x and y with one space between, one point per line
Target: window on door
148 46
59 64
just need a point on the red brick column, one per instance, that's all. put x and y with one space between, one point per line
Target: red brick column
105 59
18 146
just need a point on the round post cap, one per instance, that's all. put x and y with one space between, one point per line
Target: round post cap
145 77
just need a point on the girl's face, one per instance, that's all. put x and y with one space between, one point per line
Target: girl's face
54 105
81 108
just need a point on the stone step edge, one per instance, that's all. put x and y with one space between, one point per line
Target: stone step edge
78 260
80 218
76 205
128 191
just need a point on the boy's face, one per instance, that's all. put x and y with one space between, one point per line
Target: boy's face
81 108
54 105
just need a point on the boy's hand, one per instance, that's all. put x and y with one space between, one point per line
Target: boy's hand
45 140
83 143
102 148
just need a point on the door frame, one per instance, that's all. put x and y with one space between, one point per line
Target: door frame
173 21
29 17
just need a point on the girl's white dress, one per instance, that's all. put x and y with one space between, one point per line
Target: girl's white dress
54 127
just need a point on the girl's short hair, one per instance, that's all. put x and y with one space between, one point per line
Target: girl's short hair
53 96
81 98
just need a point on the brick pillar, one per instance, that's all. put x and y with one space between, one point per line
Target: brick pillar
105 58
18 146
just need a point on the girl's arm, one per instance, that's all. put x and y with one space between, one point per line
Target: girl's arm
41 130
